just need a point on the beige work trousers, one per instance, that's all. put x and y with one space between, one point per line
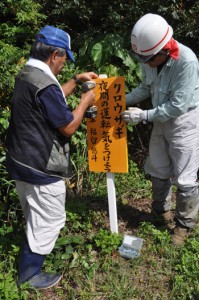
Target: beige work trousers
44 211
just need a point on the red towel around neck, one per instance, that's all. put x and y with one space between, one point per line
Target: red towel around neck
172 46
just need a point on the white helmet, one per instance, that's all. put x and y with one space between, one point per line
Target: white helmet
150 34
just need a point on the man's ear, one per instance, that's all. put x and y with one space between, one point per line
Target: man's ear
54 54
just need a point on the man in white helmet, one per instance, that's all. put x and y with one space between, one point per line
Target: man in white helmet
170 76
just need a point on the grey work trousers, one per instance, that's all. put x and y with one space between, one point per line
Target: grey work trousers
174 159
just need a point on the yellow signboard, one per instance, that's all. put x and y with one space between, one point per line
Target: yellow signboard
106 134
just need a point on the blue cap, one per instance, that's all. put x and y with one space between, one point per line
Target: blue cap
53 36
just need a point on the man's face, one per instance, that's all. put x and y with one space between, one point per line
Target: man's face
56 62
157 60
59 62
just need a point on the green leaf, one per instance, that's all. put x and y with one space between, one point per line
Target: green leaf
96 53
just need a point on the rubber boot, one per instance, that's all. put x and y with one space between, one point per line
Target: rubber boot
162 190
187 206
180 235
161 204
30 264
164 218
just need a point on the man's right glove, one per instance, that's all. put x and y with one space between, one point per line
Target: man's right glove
134 115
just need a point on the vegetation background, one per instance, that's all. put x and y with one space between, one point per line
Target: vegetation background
86 252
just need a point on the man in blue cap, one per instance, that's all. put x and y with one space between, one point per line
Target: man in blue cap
37 146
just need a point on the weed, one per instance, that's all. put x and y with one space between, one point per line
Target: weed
107 242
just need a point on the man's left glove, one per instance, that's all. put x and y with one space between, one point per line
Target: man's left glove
134 115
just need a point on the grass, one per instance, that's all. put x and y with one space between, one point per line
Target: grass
86 253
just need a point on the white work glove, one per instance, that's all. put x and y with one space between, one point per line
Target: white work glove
134 115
